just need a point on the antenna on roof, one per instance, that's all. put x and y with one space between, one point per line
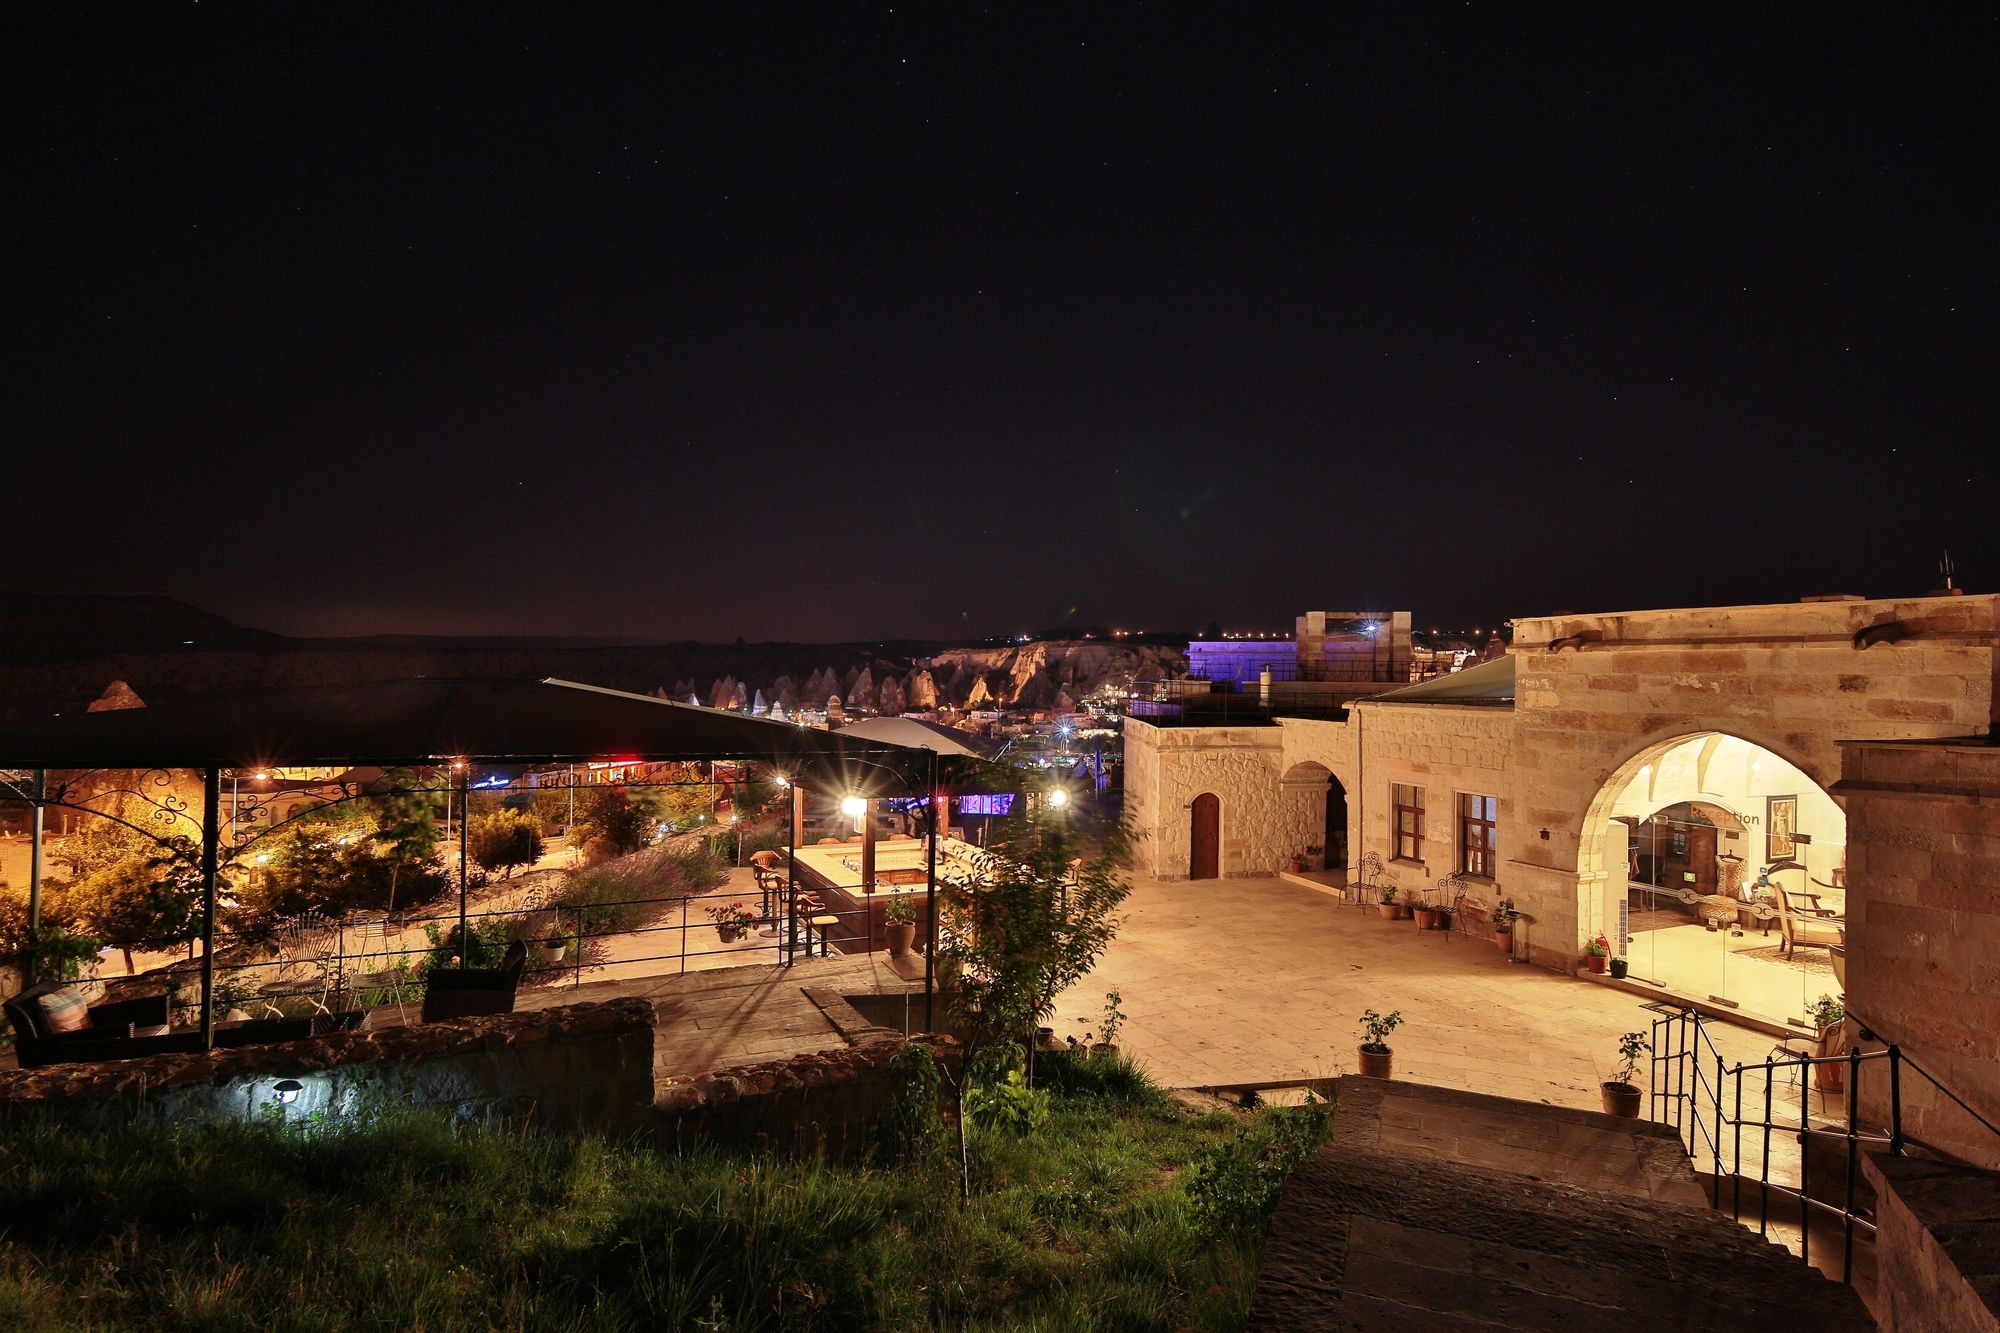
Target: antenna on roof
1948 569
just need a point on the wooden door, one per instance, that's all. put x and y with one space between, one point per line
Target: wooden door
1205 837
1701 856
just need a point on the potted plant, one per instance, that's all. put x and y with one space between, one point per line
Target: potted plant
1375 1052
1114 1019
1597 953
1426 915
732 920
899 925
1443 914
553 947
1504 917
1298 862
1386 903
1829 1017
1621 1094
1618 968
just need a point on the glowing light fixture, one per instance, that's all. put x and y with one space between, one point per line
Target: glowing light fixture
287 1088
853 807
1059 798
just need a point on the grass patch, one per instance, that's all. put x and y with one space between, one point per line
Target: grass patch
408 1223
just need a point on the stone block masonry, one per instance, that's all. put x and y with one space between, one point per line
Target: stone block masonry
586 1067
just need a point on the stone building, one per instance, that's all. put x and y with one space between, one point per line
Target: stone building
1651 776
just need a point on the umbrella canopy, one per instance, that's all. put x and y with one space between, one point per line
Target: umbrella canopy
400 722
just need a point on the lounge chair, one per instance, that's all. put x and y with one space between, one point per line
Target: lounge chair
109 1032
466 992
1802 921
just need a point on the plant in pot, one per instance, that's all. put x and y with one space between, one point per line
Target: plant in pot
554 945
1597 953
1829 1018
1426 915
1375 1052
899 925
1443 914
1504 917
1114 1019
1386 903
732 920
1618 968
1621 1094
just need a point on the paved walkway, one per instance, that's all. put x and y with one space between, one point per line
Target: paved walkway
1434 1209
1256 980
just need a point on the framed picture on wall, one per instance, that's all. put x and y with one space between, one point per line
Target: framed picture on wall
1680 840
1781 821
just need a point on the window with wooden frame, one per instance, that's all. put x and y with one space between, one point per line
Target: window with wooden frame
1408 804
1478 837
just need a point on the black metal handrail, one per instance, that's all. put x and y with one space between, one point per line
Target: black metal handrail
1684 1053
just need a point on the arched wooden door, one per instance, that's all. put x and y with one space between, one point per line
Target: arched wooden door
1205 837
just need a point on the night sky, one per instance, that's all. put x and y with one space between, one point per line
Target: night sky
831 322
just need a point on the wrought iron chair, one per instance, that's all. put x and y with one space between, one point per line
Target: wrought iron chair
1367 879
308 950
380 965
1448 895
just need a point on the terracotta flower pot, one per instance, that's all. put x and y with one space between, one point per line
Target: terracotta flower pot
729 934
1504 939
901 935
1389 911
1402 911
1426 918
1375 1064
1621 1099
1597 961
1104 1050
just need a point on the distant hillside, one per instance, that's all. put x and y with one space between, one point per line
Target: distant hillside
57 653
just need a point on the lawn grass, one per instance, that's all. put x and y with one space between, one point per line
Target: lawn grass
405 1222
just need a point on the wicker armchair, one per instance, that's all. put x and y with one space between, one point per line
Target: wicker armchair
466 992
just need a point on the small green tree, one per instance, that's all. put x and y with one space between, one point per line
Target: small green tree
153 899
504 840
406 833
607 821
1030 922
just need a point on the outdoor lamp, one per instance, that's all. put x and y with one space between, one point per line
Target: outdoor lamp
853 807
1059 797
287 1088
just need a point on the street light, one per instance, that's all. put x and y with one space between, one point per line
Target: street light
1058 798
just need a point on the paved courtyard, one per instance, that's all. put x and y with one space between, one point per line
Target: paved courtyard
1237 981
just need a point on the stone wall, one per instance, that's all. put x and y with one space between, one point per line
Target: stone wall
1595 693
577 1067
833 1101
1167 767
1937 1247
1443 750
1923 928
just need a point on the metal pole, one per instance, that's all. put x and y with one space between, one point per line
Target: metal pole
1895 1100
792 876
464 926
211 833
35 872
1853 1163
930 904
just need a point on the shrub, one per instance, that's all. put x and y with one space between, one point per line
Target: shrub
914 1127
1236 1184
504 840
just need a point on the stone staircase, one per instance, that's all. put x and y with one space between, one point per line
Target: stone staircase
1439 1209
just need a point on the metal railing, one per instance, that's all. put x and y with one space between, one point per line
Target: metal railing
1704 1098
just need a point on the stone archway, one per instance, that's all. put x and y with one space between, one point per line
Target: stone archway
1721 796
1314 805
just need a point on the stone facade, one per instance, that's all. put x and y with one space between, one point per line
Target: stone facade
1167 767
1937 1247
1923 928
577 1067
1595 697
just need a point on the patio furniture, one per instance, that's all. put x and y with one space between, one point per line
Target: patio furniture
308 947
1716 911
373 954
466 992
110 1031
1802 921
1367 879
824 925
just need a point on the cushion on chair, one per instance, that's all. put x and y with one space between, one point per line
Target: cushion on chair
65 1010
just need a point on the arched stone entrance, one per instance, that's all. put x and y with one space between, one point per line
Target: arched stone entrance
1205 836
1315 813
1706 861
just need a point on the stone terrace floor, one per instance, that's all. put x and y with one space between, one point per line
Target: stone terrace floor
1242 981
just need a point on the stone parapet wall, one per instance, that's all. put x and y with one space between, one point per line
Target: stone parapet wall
1937 1247
1923 928
576 1067
834 1101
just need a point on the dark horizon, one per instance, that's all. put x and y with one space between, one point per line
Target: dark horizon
842 326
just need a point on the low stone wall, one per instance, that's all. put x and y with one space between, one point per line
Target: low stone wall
1937 1252
833 1101
577 1067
